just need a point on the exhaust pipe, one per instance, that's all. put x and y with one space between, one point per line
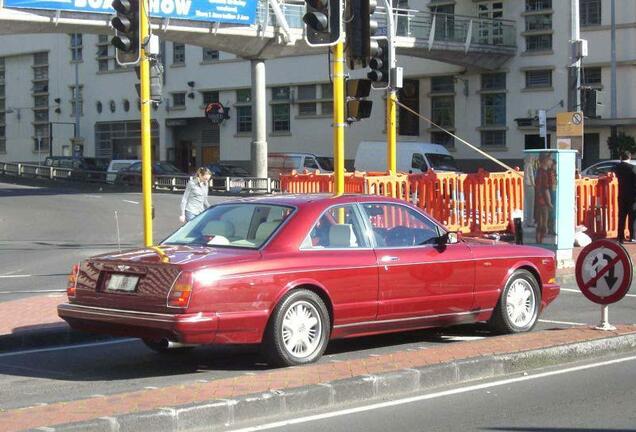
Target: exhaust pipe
170 344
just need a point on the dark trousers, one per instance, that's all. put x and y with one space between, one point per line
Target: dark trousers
626 210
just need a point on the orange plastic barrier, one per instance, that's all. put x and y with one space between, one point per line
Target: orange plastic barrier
597 205
385 184
317 182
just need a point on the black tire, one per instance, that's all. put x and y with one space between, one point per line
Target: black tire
527 311
276 351
161 347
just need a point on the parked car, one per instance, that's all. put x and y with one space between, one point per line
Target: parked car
220 173
292 272
131 175
284 163
116 165
602 167
413 157
84 168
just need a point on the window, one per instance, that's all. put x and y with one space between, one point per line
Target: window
126 105
493 138
99 107
210 97
538 5
590 12
443 84
539 42
397 226
494 81
591 77
210 55
326 107
76 47
538 22
105 55
243 111
40 101
178 54
80 98
493 109
280 109
443 111
489 32
307 93
338 228
409 95
178 100
538 79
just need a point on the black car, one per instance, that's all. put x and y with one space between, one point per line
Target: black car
221 171
132 174
84 168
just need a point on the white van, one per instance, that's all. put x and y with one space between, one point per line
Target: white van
412 157
115 166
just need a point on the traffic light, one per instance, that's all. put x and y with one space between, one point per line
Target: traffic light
322 22
360 27
379 63
358 107
156 81
127 39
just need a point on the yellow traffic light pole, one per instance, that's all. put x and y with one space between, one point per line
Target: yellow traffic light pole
146 154
391 96
338 117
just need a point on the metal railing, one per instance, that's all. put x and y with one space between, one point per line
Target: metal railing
160 182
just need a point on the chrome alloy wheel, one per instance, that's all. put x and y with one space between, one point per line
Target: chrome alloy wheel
301 329
520 303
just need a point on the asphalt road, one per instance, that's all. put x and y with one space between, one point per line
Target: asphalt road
588 397
44 231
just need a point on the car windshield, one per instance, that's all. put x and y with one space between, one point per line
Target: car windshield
166 167
241 225
442 162
325 162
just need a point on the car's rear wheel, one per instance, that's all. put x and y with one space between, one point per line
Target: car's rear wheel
518 307
298 331
163 347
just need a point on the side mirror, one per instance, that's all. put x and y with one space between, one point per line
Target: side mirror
448 238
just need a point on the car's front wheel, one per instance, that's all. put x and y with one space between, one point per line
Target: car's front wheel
518 307
298 331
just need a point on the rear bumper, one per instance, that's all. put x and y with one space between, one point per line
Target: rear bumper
549 293
195 328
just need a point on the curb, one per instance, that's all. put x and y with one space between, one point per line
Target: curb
232 413
52 336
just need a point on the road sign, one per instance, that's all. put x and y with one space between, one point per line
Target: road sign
604 271
237 12
569 124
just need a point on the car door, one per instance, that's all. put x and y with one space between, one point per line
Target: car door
416 276
338 248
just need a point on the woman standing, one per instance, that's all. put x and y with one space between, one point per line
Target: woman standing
195 197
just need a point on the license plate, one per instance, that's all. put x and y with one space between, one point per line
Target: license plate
118 282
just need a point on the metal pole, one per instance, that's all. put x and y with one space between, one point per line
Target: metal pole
613 103
574 76
259 116
338 117
391 96
51 139
146 151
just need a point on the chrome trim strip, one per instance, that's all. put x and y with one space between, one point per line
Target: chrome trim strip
148 316
411 318
71 306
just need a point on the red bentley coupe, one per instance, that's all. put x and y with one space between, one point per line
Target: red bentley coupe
292 272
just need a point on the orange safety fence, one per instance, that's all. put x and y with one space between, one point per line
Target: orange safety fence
597 205
473 203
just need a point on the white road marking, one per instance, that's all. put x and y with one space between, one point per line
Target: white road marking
131 202
14 276
562 322
463 338
93 196
62 348
397 402
579 292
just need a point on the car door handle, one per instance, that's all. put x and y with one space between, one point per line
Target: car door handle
388 258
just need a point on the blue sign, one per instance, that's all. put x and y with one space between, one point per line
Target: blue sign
223 11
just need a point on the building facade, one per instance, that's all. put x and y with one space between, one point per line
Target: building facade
493 110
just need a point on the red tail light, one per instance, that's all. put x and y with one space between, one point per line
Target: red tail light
71 286
181 291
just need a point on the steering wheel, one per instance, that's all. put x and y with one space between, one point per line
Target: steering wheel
400 236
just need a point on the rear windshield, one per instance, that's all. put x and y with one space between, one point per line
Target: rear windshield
284 162
232 225
442 162
119 165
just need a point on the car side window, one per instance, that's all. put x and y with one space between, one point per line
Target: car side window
337 228
396 225
311 163
418 162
